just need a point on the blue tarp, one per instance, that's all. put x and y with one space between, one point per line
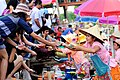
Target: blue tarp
86 19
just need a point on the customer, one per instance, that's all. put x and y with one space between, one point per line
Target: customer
8 25
35 17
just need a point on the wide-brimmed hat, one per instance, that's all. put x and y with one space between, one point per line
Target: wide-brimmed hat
94 31
117 41
22 8
73 39
116 34
70 38
81 38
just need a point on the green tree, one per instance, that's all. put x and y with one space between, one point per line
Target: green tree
70 15
76 7
61 17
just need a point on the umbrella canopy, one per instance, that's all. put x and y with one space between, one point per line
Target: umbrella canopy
86 19
105 20
45 2
53 1
77 10
109 20
100 8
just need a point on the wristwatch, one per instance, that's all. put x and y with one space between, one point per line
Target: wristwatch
16 47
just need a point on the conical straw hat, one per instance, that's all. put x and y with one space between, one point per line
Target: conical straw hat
81 38
95 31
70 38
117 41
116 34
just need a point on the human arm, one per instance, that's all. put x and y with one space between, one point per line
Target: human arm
14 44
11 9
82 48
31 44
89 50
37 22
27 28
36 19
117 56
10 41
12 55
30 51
31 3
39 38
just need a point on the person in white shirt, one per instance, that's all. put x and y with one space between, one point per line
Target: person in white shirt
3 6
48 20
35 17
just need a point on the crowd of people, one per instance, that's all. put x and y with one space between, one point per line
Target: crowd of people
23 25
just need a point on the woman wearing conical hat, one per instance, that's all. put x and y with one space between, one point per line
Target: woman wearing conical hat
94 45
115 72
117 50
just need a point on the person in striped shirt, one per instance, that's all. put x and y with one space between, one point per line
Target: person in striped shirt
8 25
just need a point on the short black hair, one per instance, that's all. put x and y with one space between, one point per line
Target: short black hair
96 39
51 31
69 25
38 2
13 3
46 16
59 28
42 29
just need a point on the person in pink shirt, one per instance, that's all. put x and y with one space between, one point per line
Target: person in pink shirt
94 45
115 71
117 50
79 60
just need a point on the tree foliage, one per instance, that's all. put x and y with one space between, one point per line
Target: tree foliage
70 15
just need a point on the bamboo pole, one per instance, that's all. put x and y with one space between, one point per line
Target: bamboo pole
57 5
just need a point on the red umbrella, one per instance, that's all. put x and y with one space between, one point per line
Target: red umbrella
78 9
45 2
53 1
100 8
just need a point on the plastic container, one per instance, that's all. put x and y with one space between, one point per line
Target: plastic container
70 73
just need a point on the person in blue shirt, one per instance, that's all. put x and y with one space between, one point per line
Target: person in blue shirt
68 30
8 25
